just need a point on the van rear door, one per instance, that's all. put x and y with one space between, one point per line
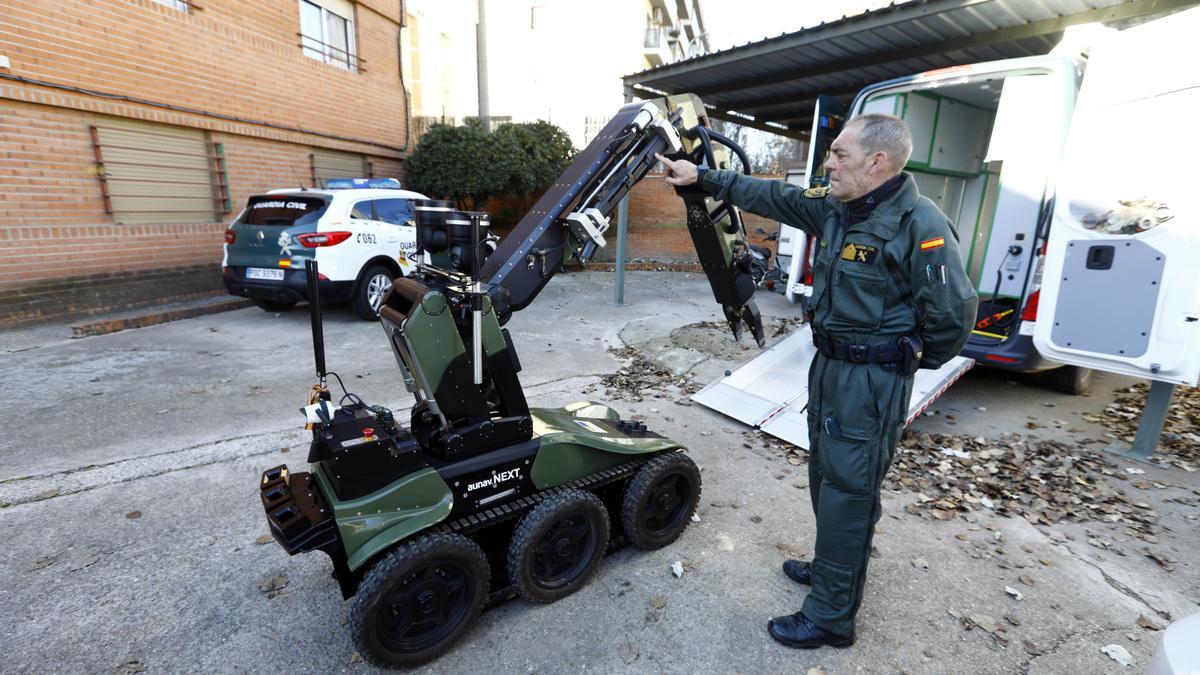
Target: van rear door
828 117
1120 289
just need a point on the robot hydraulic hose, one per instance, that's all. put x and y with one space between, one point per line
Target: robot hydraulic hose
445 323
571 218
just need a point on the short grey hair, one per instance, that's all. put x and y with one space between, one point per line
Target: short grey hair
887 134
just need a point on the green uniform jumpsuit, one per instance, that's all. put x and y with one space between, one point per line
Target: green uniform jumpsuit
897 273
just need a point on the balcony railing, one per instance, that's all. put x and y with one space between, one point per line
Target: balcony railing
323 51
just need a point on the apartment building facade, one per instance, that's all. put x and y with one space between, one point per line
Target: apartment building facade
131 132
555 60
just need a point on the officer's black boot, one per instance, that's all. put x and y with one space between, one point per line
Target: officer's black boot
798 571
797 631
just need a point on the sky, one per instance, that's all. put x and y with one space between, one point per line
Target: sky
735 22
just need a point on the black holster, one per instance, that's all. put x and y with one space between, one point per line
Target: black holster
912 349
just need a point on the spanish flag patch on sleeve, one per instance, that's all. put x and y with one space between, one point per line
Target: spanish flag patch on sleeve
930 244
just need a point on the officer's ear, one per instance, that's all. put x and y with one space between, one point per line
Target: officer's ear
880 162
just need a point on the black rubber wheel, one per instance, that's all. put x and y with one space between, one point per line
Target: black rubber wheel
557 546
369 291
274 305
660 500
419 599
1073 380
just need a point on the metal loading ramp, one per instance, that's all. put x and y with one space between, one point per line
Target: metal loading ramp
771 391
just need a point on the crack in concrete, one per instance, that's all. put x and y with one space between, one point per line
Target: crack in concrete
139 476
1052 649
1108 578
92 467
53 485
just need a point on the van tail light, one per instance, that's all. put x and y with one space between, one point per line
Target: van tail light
1029 313
315 239
230 235
1031 307
810 256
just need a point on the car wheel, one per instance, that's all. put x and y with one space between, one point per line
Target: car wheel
274 305
368 295
1073 380
419 599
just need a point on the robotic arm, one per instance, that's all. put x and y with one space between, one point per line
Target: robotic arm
444 323
573 215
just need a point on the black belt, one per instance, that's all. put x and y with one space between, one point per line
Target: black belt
845 351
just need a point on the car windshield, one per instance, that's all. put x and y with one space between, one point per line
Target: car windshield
283 210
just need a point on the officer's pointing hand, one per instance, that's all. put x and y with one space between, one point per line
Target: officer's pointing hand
680 172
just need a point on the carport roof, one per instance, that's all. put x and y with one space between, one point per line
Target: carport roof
772 84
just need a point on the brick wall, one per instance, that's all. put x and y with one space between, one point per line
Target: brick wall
233 69
234 58
658 225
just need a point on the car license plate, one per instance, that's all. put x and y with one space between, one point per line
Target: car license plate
263 273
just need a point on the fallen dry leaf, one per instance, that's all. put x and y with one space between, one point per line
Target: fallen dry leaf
629 653
1031 648
130 668
274 585
1162 561
264 539
658 602
1148 623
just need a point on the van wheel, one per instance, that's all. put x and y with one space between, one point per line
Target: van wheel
419 599
660 500
274 305
368 295
1072 380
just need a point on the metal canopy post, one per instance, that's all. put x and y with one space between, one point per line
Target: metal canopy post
1154 418
622 235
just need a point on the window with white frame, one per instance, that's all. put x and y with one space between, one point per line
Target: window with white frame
181 5
327 32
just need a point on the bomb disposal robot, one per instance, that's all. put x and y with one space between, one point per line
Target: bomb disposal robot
482 496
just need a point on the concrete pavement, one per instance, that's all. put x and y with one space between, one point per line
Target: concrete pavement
131 516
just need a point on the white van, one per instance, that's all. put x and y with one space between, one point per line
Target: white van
1077 208
990 147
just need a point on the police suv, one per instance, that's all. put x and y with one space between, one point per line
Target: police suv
360 231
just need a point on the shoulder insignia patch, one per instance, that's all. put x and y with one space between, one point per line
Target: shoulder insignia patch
816 192
930 244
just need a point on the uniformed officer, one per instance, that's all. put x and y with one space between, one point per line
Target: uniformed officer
889 295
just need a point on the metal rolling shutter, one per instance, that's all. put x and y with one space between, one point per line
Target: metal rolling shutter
154 173
328 164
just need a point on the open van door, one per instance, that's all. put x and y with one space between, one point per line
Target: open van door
1120 290
828 117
